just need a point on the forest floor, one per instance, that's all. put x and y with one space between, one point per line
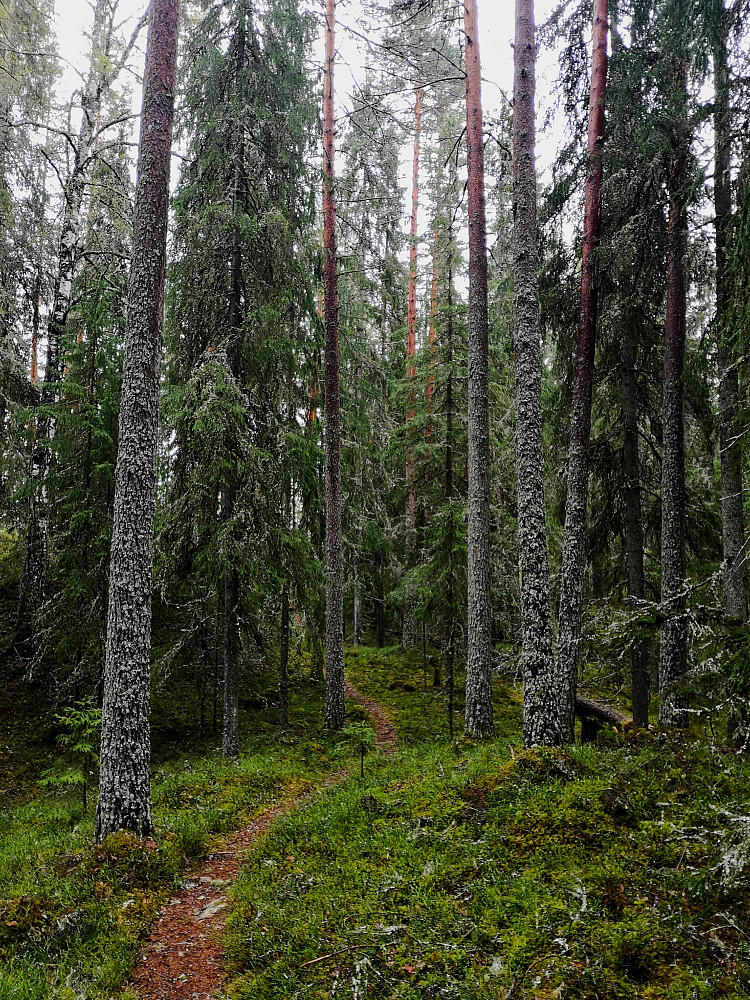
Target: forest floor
442 869
183 957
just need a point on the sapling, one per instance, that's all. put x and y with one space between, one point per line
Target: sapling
361 735
80 740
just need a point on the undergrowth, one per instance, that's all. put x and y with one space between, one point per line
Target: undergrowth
617 870
72 914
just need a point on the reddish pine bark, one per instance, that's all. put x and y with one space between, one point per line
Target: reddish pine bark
574 542
124 786
335 711
542 724
478 715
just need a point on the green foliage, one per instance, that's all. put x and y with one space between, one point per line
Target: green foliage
478 871
81 726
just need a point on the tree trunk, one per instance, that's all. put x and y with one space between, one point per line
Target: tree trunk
410 628
673 653
284 659
730 451
230 737
124 785
631 470
478 715
101 74
335 711
450 583
543 725
574 541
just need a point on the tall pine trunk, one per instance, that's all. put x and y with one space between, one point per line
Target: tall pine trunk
335 710
542 725
730 451
124 784
631 470
410 628
478 713
673 652
574 541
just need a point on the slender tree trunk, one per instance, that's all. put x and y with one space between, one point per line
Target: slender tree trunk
124 785
478 716
543 724
574 543
335 712
673 652
450 583
730 451
631 469
284 659
230 736
410 628
101 73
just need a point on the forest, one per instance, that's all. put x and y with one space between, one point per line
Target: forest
373 567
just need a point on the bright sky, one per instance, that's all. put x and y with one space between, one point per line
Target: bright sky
496 32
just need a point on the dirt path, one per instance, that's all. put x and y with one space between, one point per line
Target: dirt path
183 958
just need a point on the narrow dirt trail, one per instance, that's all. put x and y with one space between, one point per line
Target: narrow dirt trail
182 957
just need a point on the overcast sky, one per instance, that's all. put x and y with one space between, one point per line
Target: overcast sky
496 32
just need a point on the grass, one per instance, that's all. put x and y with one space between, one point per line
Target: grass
485 871
450 870
71 914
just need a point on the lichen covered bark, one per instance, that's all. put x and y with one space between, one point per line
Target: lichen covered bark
124 787
730 450
542 724
335 710
478 715
574 540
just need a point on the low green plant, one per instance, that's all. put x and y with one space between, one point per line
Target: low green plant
362 736
79 740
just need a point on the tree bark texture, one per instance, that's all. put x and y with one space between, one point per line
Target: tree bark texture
124 787
631 470
34 568
478 714
730 451
543 725
574 539
673 652
335 710
410 628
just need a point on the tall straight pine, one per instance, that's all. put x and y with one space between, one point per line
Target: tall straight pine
124 785
335 711
478 716
542 701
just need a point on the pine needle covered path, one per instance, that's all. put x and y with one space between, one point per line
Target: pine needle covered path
183 957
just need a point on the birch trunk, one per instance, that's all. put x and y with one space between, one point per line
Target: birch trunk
542 725
335 711
574 539
730 451
102 72
673 652
124 785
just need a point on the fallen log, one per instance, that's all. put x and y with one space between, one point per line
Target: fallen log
594 716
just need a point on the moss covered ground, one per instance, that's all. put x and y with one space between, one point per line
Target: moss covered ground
452 869
464 870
